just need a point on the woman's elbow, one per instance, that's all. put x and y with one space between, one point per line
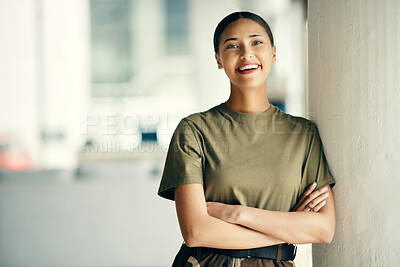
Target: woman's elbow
328 233
189 236
193 239
195 233
190 241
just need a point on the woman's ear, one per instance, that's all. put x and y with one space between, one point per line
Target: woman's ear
218 61
274 54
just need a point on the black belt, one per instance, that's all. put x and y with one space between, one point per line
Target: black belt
284 252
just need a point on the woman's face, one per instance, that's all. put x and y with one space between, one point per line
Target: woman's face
246 54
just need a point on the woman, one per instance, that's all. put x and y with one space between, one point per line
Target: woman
244 175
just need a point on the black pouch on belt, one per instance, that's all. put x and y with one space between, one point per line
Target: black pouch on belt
183 255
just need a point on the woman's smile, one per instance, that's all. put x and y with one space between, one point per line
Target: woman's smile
248 68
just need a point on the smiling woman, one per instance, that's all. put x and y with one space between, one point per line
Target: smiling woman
246 55
246 205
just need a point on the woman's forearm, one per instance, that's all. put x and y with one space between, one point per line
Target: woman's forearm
292 227
216 233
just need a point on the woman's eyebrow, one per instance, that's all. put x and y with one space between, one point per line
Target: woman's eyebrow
234 39
230 39
255 35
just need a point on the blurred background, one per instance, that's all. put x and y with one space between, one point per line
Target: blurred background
90 94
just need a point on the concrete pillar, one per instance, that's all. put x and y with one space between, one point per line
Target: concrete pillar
354 97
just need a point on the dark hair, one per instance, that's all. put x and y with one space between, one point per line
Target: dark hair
234 17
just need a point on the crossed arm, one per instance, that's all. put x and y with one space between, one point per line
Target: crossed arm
218 225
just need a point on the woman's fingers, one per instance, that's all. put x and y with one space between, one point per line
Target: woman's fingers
315 195
312 200
320 202
307 208
300 204
316 198
308 191
319 206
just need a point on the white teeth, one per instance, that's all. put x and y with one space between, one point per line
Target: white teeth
248 67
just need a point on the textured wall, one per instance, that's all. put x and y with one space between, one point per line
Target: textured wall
354 97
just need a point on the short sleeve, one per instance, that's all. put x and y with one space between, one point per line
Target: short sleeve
183 164
315 168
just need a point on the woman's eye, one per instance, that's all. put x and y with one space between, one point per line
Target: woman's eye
231 46
257 42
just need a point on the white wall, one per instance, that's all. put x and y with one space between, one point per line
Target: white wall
290 41
18 81
212 86
66 79
354 96
43 72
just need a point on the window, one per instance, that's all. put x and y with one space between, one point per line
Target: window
177 26
139 48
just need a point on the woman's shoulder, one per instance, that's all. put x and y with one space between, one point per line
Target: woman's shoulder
203 118
293 123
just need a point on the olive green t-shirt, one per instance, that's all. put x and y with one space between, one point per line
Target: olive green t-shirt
264 160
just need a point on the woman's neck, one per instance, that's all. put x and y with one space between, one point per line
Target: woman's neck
248 100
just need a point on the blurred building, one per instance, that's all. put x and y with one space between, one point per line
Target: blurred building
107 71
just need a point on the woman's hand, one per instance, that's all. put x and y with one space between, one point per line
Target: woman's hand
222 211
316 199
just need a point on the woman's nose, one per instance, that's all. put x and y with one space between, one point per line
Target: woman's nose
247 53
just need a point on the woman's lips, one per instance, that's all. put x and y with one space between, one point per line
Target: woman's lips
248 68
